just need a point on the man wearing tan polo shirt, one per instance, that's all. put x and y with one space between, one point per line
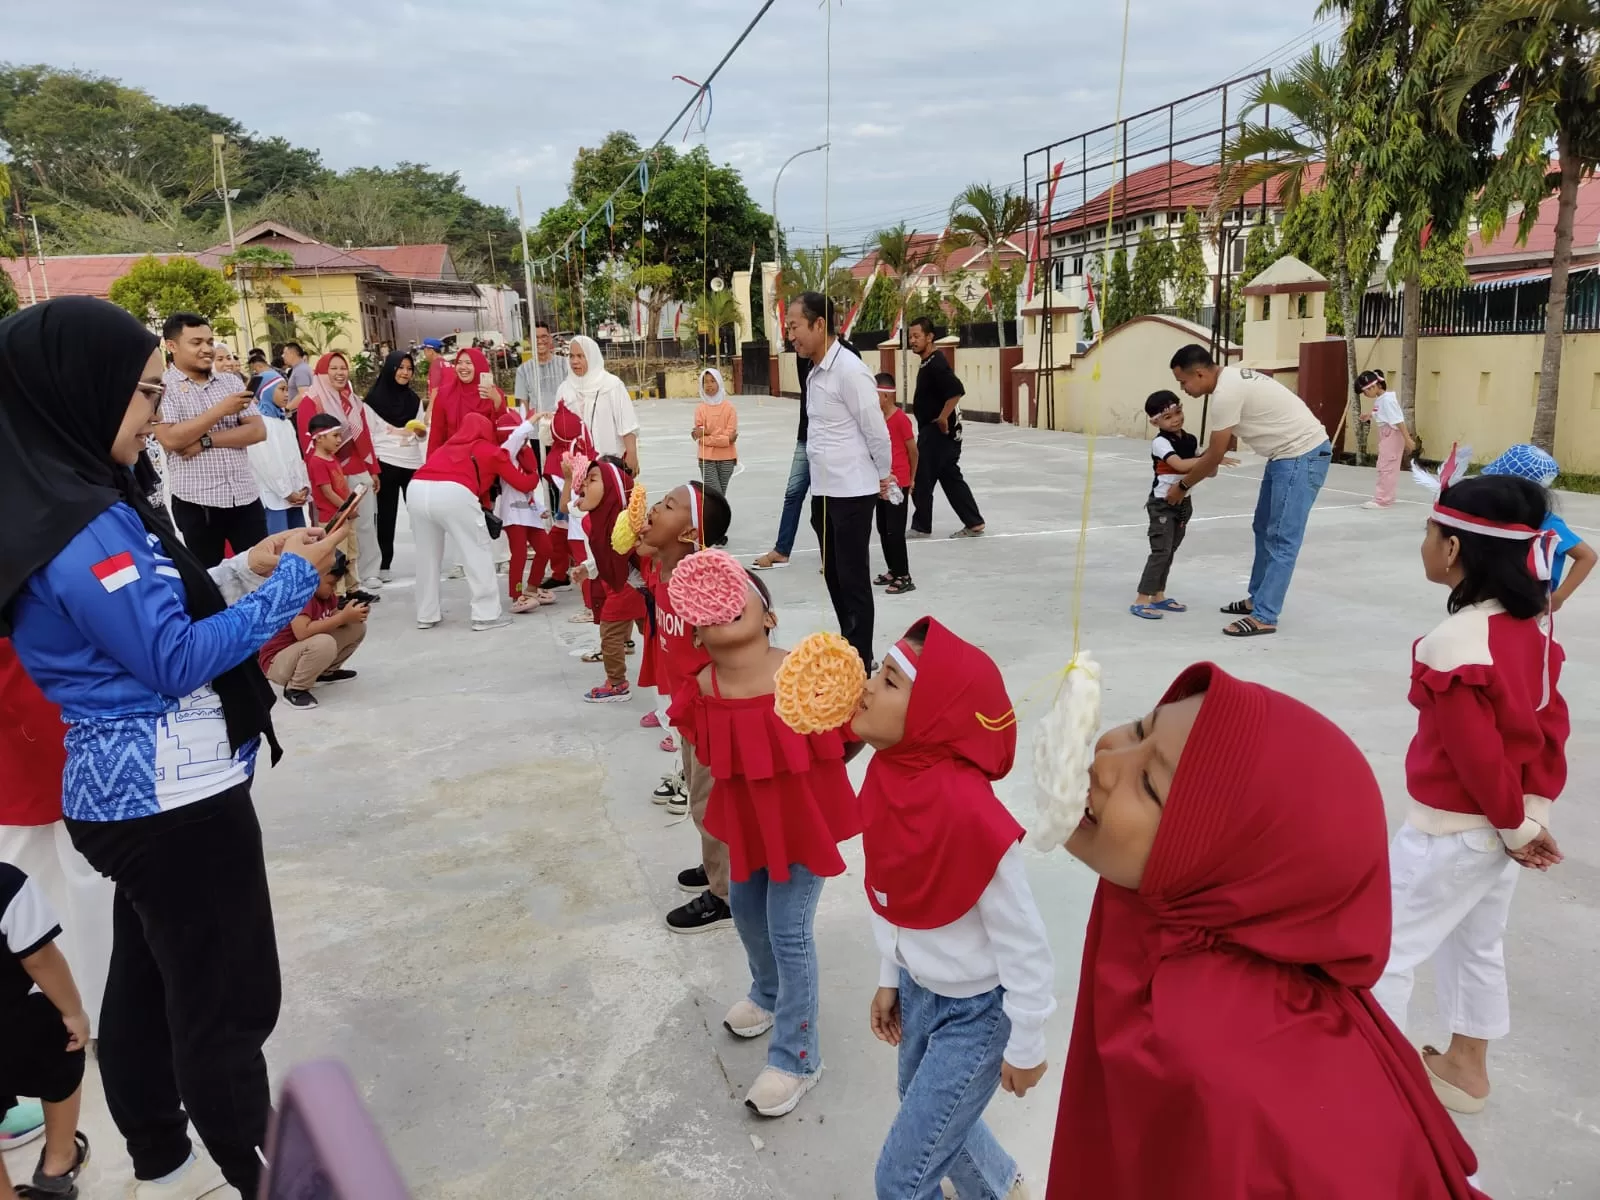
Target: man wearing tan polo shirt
1275 423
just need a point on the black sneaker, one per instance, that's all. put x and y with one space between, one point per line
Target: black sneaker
299 699
703 913
553 582
693 881
670 786
337 675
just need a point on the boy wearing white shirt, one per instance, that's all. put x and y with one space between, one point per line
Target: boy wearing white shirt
1394 439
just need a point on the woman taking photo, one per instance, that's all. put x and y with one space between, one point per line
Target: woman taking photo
467 388
602 403
390 405
331 393
120 625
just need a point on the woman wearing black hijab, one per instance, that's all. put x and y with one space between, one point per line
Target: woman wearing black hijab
120 625
392 402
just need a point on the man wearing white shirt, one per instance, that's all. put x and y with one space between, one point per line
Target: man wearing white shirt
847 447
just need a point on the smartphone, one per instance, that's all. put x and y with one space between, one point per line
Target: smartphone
343 513
322 1144
253 384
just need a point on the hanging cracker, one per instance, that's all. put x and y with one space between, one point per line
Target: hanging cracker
1062 752
708 588
624 537
579 465
636 508
819 685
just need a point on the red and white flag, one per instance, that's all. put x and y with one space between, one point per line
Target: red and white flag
1088 282
850 321
899 317
116 572
777 300
676 318
1041 229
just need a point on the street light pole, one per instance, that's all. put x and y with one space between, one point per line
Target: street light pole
777 260
218 141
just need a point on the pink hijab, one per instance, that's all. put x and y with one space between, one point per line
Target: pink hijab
345 405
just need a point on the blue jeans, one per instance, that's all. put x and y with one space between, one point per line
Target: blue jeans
794 497
774 923
1288 490
281 520
950 1055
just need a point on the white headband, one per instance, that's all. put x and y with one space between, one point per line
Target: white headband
903 661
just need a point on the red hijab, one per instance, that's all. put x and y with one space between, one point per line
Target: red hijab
461 397
934 829
610 567
1225 1042
467 457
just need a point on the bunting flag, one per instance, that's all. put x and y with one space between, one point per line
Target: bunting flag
1041 229
850 321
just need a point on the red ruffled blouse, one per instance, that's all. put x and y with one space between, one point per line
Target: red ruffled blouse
777 797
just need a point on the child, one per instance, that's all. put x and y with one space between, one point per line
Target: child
328 487
43 1031
1486 763
317 643
1175 453
686 519
1394 439
781 802
716 429
524 514
614 578
566 436
891 511
966 980
1530 462
1225 1044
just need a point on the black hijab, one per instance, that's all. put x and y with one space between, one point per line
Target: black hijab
392 400
67 371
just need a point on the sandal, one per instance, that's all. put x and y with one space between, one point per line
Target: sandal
1452 1097
583 616
971 531
1239 608
768 561
900 586
544 596
57 1187
1169 605
593 656
669 745
525 604
1147 611
1248 627
883 579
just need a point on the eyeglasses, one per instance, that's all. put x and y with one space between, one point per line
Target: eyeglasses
154 390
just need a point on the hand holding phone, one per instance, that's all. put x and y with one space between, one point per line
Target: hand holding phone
345 511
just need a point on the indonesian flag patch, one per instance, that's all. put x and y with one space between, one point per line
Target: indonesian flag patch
116 572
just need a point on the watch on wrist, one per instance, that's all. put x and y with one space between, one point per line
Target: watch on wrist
205 441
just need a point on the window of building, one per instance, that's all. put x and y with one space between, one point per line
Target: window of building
1077 265
1236 255
1149 222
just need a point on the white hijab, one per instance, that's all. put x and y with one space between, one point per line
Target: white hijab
722 390
587 386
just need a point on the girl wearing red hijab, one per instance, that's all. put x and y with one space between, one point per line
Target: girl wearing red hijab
616 587
1226 1043
782 803
331 393
467 389
446 499
966 980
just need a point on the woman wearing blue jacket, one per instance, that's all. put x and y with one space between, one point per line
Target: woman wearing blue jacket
166 710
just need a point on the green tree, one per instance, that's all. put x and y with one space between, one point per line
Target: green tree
1191 279
8 296
1117 301
264 273
879 305
712 313
987 216
1540 60
1153 263
803 271
319 330
153 290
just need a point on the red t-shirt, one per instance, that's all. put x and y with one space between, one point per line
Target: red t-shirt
315 609
32 749
899 434
679 661
325 470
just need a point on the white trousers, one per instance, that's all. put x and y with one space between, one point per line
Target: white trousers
81 897
1451 898
440 509
368 556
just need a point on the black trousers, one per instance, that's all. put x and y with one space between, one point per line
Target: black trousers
193 989
207 531
843 525
392 484
1168 524
939 461
892 536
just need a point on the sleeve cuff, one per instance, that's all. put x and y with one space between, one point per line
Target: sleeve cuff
888 973
1025 1049
1516 839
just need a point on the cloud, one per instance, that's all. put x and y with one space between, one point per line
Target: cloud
505 91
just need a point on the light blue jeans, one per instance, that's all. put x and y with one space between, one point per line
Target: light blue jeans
794 498
950 1055
774 922
1288 490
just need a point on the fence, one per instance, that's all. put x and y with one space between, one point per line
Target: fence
1512 306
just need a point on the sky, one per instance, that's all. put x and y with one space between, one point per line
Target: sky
926 95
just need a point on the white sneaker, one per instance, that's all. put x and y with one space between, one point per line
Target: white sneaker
201 1177
775 1093
1374 504
426 624
498 623
375 584
747 1020
385 575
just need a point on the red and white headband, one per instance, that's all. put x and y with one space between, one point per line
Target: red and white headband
1541 551
905 657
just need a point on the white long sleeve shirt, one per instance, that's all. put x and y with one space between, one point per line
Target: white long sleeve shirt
847 440
999 942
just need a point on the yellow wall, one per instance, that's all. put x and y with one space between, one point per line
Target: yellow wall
979 371
318 293
1480 391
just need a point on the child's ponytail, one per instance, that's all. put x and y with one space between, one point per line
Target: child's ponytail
1496 568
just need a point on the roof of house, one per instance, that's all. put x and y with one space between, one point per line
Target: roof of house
427 260
1504 250
1165 187
1285 275
77 275
957 258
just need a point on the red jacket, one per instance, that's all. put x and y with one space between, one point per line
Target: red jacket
32 753
474 459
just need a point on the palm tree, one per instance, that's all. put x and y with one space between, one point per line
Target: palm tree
1546 55
715 311
1312 95
903 257
817 271
987 216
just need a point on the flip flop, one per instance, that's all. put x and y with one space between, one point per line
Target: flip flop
1452 1097
1248 627
1169 605
968 532
1146 611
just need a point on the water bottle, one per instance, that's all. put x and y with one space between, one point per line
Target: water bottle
895 494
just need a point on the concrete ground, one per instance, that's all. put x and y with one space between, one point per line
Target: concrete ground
470 878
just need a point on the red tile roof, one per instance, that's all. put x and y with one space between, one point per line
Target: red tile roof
1164 187
960 258
73 275
430 260
1542 237
307 256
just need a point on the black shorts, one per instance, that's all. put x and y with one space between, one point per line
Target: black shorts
34 1059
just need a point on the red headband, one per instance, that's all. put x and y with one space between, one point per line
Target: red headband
906 657
1541 552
